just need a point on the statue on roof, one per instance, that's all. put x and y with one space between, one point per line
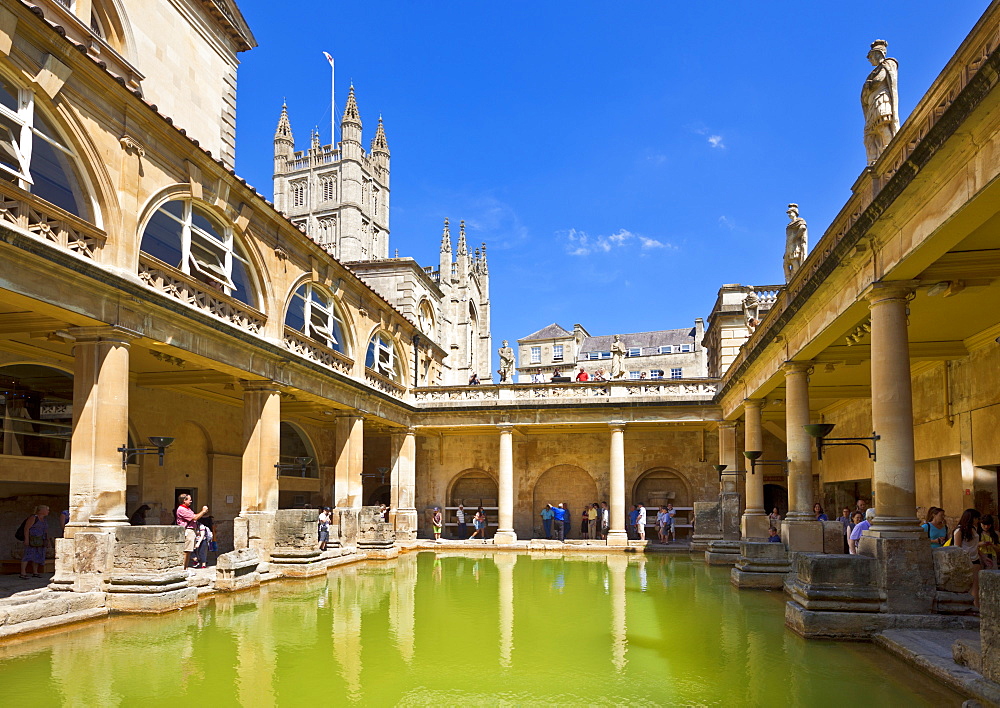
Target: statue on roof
880 100
617 358
796 241
506 369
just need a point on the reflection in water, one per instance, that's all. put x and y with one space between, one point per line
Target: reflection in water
422 629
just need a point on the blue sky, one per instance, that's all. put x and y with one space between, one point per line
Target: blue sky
620 160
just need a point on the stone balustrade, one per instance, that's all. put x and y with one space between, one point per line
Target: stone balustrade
304 346
384 384
651 390
48 222
169 281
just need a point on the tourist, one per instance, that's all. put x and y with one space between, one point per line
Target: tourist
818 511
582 376
560 520
34 532
479 525
661 516
966 537
584 521
671 513
774 516
773 536
323 526
460 519
862 505
598 375
383 512
202 541
859 529
845 522
474 379
546 515
593 514
138 517
936 527
437 521
640 523
187 519
605 520
988 541
632 517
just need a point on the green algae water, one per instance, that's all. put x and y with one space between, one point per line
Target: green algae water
484 628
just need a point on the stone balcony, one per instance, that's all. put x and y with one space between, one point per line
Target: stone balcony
627 392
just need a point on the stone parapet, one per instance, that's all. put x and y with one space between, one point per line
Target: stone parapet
148 574
373 531
833 537
237 570
296 546
953 580
346 522
802 536
254 530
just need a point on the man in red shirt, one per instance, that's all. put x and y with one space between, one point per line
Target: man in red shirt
187 519
582 376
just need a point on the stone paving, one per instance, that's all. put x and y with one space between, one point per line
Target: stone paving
11 584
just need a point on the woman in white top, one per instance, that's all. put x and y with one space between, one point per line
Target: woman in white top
966 537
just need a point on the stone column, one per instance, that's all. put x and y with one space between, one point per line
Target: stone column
727 456
755 522
403 461
616 530
894 482
808 535
725 549
254 527
100 427
349 452
505 527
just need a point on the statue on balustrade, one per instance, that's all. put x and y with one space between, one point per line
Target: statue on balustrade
751 310
506 369
796 241
617 358
880 100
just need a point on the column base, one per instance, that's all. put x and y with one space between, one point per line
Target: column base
617 538
754 526
803 536
723 553
504 538
406 524
255 529
904 572
895 527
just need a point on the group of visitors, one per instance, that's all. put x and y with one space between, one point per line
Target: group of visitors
199 532
462 527
975 534
556 521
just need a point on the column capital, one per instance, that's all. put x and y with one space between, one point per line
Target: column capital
797 367
104 333
265 386
617 426
889 290
727 424
753 402
505 427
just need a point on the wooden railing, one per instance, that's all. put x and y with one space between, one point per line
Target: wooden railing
47 221
170 281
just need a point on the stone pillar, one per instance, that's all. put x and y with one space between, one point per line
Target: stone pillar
403 461
801 531
616 530
505 526
894 482
347 489
727 456
100 427
725 550
755 522
905 569
254 527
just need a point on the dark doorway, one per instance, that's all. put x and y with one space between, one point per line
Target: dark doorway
775 496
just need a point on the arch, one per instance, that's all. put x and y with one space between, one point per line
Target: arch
299 306
294 442
380 495
113 25
384 356
36 404
473 334
426 319
473 487
199 239
569 484
35 154
661 485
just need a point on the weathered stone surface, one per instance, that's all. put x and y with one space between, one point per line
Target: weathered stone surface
347 525
833 537
755 527
953 603
803 536
864 625
989 629
835 583
373 532
152 603
968 652
761 565
237 570
904 573
729 516
707 525
722 552
296 528
149 535
952 569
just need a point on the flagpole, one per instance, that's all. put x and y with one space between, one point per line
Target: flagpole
333 100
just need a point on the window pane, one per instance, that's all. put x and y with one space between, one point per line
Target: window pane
370 357
162 238
296 315
8 95
52 173
201 220
10 140
241 283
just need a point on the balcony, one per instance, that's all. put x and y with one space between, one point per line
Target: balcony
629 392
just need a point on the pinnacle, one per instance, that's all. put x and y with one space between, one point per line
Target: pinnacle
351 114
379 143
446 238
284 129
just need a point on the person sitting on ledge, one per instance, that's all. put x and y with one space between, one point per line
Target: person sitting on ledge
773 536
582 376
474 379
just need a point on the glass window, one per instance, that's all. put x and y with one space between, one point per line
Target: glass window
314 313
669 349
298 194
676 373
294 444
685 347
425 318
634 351
557 352
635 374
536 355
381 357
656 374
186 237
36 411
31 154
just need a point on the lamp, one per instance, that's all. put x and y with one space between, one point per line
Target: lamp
821 430
301 465
158 445
755 461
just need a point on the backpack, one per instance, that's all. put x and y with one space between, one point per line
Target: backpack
19 534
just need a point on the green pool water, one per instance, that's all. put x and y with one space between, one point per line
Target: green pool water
461 630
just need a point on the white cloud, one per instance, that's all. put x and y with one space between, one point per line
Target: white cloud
580 243
716 141
727 222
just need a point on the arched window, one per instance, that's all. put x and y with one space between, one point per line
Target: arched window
314 313
184 235
425 318
294 444
382 357
31 154
36 403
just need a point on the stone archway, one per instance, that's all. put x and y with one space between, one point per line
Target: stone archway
658 486
569 484
473 488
